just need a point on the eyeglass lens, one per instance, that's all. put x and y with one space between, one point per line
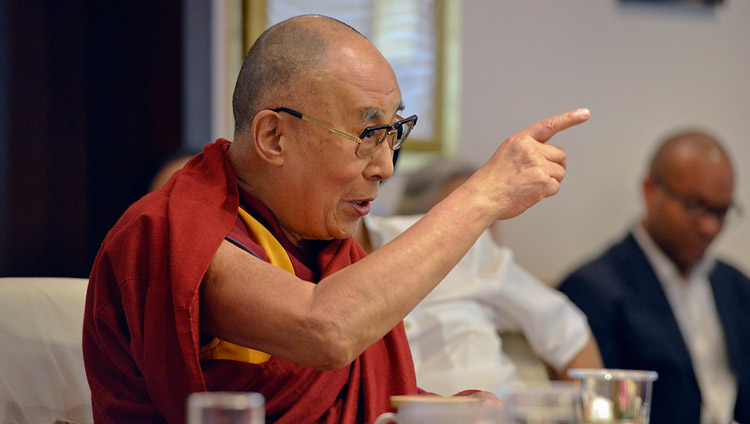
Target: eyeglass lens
697 209
373 137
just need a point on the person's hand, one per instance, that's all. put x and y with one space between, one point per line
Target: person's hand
486 397
491 408
525 170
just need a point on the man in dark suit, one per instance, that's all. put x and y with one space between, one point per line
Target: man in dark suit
657 301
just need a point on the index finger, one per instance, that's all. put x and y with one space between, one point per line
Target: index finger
546 128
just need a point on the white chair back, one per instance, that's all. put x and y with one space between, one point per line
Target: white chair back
41 362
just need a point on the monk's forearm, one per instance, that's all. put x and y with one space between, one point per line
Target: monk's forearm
376 293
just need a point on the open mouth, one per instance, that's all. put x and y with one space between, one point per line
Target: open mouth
362 207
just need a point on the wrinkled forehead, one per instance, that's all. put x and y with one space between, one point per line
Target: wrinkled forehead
361 75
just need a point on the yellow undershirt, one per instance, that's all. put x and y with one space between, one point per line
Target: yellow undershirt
277 256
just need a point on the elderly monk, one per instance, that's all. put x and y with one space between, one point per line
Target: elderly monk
240 274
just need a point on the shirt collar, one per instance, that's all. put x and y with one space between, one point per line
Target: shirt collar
664 268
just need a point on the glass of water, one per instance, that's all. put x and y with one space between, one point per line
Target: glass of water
555 402
226 408
615 395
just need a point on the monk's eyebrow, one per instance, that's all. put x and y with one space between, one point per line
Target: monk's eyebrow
370 113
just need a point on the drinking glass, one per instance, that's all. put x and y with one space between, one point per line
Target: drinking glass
614 395
542 403
225 408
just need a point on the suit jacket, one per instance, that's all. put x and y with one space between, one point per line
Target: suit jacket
635 328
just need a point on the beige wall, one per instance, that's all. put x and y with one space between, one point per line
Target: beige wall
643 70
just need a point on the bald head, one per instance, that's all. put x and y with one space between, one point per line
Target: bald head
676 150
283 63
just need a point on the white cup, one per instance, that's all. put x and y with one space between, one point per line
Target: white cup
425 409
226 408
614 395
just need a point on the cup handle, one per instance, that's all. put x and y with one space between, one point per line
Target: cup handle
386 417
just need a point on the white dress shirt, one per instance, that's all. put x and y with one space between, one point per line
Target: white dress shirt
453 332
694 308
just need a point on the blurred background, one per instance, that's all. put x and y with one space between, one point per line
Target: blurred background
95 96
91 97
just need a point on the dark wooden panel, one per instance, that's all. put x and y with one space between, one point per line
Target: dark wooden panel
94 99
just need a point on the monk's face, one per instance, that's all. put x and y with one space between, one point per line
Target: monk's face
330 188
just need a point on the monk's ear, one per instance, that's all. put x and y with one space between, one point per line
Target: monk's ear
267 133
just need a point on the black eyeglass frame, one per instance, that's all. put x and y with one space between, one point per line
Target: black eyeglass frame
697 208
394 132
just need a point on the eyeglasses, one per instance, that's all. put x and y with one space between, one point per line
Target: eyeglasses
371 137
697 208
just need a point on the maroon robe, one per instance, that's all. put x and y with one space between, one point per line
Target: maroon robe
141 334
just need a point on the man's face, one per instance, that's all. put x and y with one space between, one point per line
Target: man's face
330 188
693 183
